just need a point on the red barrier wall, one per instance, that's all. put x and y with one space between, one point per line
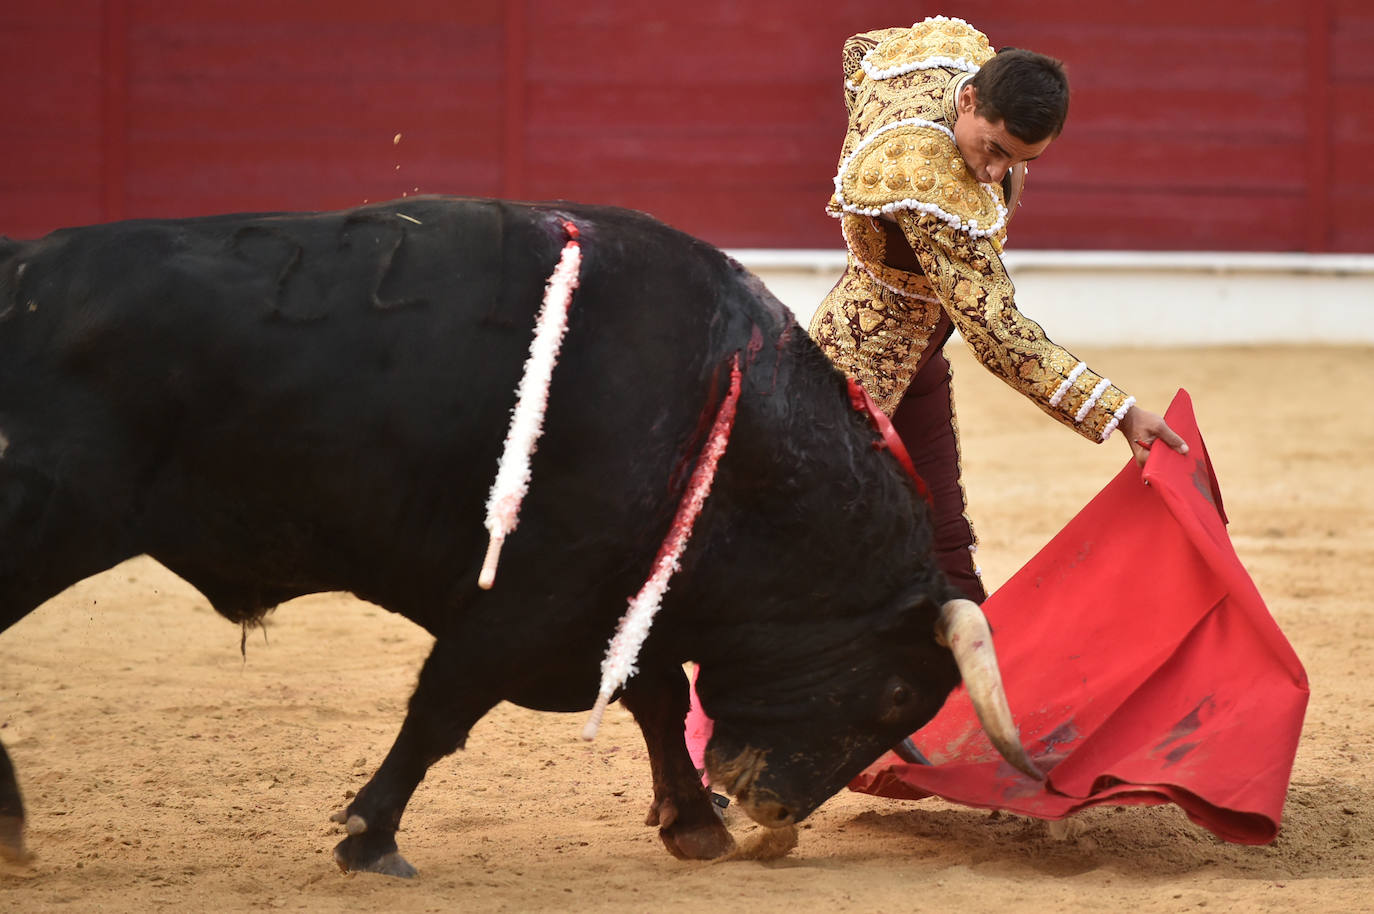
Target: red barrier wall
1229 125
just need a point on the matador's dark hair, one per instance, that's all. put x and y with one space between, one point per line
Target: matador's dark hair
1026 91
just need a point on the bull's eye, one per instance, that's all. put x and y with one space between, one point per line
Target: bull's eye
897 697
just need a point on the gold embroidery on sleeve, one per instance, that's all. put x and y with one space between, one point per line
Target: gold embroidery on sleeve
969 277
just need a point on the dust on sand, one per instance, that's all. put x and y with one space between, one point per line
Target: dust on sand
164 771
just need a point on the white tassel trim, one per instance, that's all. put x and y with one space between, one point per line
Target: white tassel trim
532 400
929 63
1096 395
970 227
1067 386
1117 417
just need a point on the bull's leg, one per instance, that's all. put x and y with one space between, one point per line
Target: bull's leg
682 808
443 708
11 812
50 542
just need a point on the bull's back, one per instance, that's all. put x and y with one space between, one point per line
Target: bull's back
276 404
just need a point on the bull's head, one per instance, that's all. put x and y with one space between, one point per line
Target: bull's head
782 763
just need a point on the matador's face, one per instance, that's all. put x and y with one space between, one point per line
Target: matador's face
988 148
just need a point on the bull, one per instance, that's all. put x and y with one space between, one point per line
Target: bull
273 405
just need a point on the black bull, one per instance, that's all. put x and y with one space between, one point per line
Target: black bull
275 405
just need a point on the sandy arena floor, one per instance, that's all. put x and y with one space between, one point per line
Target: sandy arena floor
164 772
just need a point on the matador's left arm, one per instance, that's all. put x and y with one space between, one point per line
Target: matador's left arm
968 275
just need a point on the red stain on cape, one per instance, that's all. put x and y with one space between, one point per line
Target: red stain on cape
1141 665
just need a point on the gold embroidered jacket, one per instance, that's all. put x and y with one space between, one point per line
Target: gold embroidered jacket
899 162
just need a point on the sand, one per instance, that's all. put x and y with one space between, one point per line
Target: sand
164 771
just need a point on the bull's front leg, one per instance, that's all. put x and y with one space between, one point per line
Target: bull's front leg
11 813
682 808
442 710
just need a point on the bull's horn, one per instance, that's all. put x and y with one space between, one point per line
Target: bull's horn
963 628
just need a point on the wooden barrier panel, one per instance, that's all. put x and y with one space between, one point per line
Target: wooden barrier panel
1234 125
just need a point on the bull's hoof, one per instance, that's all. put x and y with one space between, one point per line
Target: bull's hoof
700 842
12 840
372 852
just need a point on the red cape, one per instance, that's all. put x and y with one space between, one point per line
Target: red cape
1141 665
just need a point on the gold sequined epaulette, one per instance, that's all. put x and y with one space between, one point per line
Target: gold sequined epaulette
915 165
936 42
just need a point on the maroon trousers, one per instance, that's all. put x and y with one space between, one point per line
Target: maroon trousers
924 420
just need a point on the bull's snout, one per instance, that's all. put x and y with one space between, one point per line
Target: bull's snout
739 776
768 813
